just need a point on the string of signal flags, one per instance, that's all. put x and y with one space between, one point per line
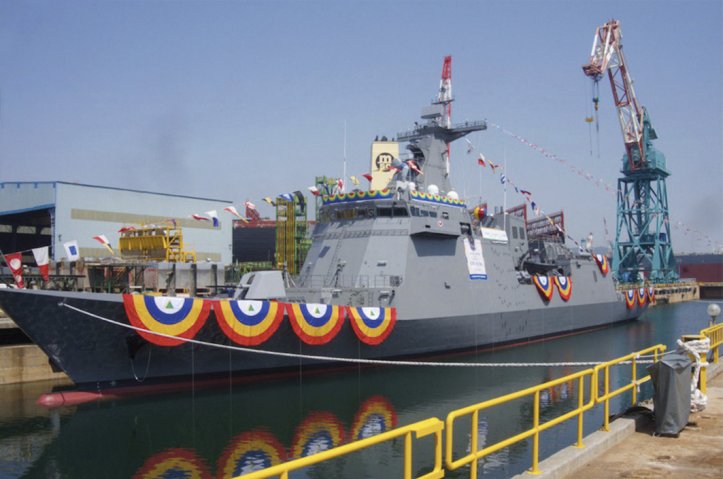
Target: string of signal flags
598 182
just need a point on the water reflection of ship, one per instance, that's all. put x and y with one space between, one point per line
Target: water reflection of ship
259 448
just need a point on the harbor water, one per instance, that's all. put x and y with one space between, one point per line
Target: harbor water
238 426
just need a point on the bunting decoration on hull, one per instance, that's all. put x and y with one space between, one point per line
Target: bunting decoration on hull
181 317
372 325
630 298
250 451
247 322
564 286
651 295
602 263
320 431
544 286
376 415
642 296
315 323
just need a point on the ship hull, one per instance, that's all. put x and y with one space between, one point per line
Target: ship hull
99 354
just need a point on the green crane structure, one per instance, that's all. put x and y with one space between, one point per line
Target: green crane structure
643 249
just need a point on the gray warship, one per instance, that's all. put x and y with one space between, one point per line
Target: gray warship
406 271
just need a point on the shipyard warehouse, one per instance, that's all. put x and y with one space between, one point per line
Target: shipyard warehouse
90 220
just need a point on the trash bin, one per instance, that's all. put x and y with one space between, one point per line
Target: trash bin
671 397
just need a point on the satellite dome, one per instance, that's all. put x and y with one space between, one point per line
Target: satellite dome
433 189
453 195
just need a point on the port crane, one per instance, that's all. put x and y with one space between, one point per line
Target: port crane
642 237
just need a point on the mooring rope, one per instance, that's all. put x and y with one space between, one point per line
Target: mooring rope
379 362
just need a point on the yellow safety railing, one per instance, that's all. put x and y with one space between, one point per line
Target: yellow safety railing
434 426
419 429
473 411
607 394
715 334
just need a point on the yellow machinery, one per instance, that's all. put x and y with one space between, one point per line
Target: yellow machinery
156 243
291 241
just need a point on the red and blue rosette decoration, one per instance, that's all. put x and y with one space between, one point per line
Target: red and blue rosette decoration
544 286
248 452
642 296
564 286
372 325
173 463
630 298
651 294
170 315
319 432
375 416
248 322
602 263
315 323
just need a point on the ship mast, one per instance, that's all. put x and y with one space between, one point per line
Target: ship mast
429 142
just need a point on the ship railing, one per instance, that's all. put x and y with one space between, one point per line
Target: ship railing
428 427
350 281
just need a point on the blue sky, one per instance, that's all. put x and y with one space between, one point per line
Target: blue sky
241 100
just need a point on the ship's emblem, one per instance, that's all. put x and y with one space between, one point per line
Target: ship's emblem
642 296
372 325
315 323
173 463
319 432
630 298
602 263
376 415
651 294
250 451
248 323
544 286
564 287
172 316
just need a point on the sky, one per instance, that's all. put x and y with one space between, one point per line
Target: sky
238 100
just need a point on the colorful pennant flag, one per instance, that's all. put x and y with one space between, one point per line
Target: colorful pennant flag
42 259
72 252
251 212
354 180
198 217
470 146
368 176
232 209
268 200
414 167
481 160
15 263
104 241
287 196
214 217
314 190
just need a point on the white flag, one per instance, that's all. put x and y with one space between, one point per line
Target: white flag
71 250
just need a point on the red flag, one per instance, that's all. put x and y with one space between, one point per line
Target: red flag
481 160
413 165
15 262
43 261
368 176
